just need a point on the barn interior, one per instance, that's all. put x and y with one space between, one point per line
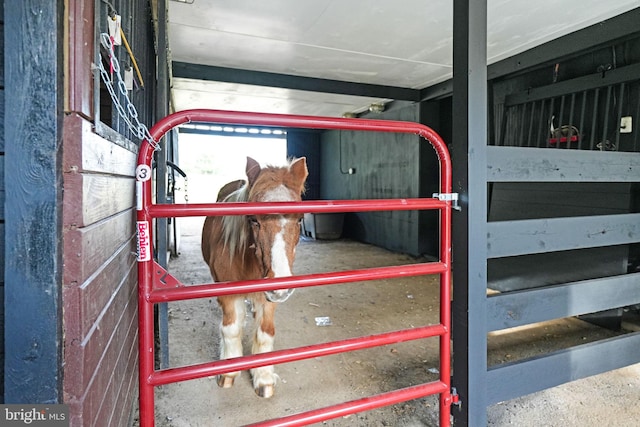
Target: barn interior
538 102
553 83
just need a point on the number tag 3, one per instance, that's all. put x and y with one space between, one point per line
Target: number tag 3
143 173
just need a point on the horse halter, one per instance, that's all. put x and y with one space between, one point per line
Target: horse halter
279 295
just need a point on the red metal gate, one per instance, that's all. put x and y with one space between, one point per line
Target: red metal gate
157 286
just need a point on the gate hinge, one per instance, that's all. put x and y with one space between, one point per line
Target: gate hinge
448 197
455 398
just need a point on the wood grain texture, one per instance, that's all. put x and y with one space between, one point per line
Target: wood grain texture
521 164
85 151
114 405
2 244
105 363
512 309
33 87
81 54
510 201
99 276
531 236
86 301
2 49
2 97
2 253
88 248
2 194
92 197
98 355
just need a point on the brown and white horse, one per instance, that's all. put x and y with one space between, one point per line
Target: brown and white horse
254 247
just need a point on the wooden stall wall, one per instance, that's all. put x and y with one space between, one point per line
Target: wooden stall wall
99 294
585 96
100 275
32 295
2 244
548 220
362 165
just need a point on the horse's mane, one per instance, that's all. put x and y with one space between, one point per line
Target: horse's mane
235 229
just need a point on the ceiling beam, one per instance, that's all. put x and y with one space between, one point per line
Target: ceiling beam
618 28
258 78
614 30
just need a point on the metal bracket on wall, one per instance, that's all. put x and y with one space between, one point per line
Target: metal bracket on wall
448 197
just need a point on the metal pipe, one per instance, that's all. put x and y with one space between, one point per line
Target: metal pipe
306 122
605 119
301 281
571 125
147 295
269 208
594 119
582 112
354 406
186 373
618 118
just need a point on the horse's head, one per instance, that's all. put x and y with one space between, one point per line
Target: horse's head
275 237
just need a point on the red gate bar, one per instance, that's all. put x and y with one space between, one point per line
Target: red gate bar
172 375
364 404
165 287
315 206
180 292
285 120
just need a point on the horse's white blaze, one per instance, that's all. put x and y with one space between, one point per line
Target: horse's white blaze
280 264
279 194
279 259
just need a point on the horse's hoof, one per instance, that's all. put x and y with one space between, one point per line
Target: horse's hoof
225 381
265 391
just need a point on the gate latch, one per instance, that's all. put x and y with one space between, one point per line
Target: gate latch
448 197
455 398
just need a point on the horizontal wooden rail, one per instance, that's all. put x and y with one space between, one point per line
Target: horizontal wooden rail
518 308
532 236
511 380
525 164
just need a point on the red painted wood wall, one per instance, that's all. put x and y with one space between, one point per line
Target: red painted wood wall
99 277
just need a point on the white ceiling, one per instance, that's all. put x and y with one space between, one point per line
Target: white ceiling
405 43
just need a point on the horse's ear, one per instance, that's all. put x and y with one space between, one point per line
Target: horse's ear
253 170
299 171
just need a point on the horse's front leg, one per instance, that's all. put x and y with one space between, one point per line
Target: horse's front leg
233 313
264 378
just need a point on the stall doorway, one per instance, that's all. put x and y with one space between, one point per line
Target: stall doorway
210 161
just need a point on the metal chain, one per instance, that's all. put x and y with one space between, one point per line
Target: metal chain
186 193
128 113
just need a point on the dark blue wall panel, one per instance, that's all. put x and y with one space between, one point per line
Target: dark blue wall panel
367 165
2 200
33 88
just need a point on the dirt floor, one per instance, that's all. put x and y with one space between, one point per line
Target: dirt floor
610 399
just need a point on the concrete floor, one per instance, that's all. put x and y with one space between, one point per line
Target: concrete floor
357 309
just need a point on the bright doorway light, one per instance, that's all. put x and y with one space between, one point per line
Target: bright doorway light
211 161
